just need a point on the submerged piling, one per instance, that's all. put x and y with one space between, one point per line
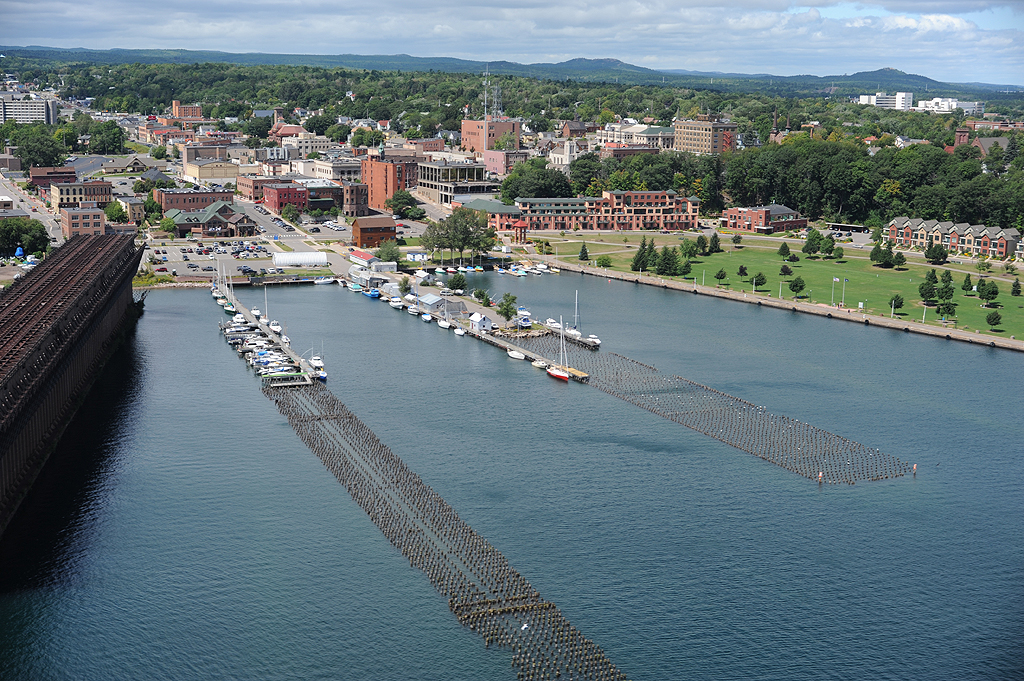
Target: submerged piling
486 594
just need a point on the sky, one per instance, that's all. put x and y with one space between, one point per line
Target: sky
954 41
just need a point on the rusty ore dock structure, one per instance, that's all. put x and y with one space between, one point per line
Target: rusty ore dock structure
58 326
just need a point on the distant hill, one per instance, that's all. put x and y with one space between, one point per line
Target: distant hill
586 70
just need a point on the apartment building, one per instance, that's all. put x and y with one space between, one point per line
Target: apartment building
384 176
191 199
25 109
69 194
87 219
705 135
613 210
479 136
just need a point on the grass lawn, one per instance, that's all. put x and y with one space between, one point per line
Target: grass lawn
868 284
283 246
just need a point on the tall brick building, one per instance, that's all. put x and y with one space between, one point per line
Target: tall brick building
481 135
384 176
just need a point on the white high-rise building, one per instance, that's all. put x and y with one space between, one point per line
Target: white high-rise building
901 101
947 104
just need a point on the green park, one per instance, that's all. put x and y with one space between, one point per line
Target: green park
851 280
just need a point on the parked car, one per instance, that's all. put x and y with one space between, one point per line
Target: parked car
314 230
161 269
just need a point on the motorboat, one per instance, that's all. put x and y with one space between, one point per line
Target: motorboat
341 282
539 363
462 269
355 287
426 317
395 302
413 310
524 323
444 323
275 326
256 312
459 331
372 293
323 280
238 318
230 309
552 324
264 319
286 340
593 340
439 270
521 311
519 273
450 270
478 268
515 354
316 361
320 375
555 270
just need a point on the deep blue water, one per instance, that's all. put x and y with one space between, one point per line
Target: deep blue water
187 533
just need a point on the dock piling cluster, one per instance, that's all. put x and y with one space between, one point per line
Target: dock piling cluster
486 594
798 447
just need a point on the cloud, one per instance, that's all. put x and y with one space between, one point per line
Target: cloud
931 37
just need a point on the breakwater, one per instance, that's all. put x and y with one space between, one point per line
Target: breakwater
798 447
486 594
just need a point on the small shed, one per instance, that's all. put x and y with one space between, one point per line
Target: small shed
480 323
430 302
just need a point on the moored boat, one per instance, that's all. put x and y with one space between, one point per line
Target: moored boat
459 331
426 317
355 287
372 293
323 280
515 354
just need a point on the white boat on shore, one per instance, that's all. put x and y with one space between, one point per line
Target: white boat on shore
515 354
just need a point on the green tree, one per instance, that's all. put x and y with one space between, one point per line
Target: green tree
405 285
737 239
828 246
604 261
115 213
685 269
400 202
931 277
313 155
290 213
796 286
507 307
457 282
786 271
896 302
688 249
813 243
1015 289
584 255
760 280
876 253
793 257
530 179
389 251
106 138
946 309
639 261
783 250
29 234
936 254
668 262
838 253
318 125
899 260
702 244
993 319
505 142
40 151
167 225
947 277
967 286
927 291
158 153
338 133
944 292
742 271
720 275
714 245
482 297
987 291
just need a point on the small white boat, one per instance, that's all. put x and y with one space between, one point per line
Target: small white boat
540 364
275 326
264 319
256 312
426 317
515 354
323 280
459 331
521 311
559 370
519 273
593 340
238 318
413 310
316 361
286 340
340 281
552 324
444 323
462 269
395 302
450 270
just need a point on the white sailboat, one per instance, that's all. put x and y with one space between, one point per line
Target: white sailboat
559 370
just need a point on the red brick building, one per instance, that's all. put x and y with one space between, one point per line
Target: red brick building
277 196
763 219
44 176
371 231
994 242
179 110
66 195
481 135
251 186
87 219
384 176
191 199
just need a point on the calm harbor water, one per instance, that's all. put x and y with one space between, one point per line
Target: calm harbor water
190 534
